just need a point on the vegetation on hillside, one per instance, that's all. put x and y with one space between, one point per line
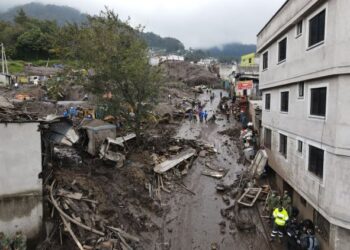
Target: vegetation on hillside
168 44
59 14
28 38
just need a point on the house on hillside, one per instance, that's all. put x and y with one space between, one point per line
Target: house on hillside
5 80
304 79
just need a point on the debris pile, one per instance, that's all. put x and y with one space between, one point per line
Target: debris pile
85 220
188 73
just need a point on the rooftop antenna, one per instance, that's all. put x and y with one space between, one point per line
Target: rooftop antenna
5 69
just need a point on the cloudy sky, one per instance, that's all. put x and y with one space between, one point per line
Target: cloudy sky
197 23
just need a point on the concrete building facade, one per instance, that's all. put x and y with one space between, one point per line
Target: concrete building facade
20 184
304 78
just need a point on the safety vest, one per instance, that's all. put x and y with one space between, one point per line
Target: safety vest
281 217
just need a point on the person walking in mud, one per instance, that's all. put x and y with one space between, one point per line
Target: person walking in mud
205 115
220 95
201 116
228 115
190 115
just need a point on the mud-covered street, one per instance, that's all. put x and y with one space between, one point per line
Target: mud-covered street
194 221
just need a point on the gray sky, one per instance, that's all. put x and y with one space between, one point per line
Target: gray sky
197 23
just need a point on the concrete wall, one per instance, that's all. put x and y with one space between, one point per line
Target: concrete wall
20 186
327 64
297 125
303 63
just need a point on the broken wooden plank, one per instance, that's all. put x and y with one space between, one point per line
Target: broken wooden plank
54 202
250 191
65 193
70 231
124 234
215 174
169 164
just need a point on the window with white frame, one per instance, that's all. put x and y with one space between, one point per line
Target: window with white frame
284 101
300 146
317 26
268 138
316 161
267 101
283 145
301 89
265 60
318 101
299 27
282 50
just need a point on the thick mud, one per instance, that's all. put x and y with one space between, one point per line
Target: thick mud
193 220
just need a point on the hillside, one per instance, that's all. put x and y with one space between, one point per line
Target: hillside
61 14
232 50
168 44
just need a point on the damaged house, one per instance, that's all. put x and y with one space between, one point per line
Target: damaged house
94 132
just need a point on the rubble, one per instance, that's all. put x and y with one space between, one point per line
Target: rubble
215 174
169 164
94 132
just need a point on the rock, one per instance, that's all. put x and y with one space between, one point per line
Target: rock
226 199
174 149
214 246
203 153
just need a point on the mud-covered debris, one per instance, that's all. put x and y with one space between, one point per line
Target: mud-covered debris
215 174
169 164
174 149
232 132
203 153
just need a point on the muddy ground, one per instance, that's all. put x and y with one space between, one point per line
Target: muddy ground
194 220
184 216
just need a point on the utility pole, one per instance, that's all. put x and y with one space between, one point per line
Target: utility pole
5 69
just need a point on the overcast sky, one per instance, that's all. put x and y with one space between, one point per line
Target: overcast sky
197 23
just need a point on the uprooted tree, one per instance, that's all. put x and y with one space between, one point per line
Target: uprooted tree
119 72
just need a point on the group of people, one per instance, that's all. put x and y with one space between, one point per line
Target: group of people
71 112
203 115
300 236
18 242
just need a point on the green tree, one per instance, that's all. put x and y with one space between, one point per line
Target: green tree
21 18
33 44
119 65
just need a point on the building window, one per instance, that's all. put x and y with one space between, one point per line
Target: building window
267 138
317 28
318 101
267 101
322 226
300 28
284 101
283 145
301 89
265 60
316 157
300 146
282 50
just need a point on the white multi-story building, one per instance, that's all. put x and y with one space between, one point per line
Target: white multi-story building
305 80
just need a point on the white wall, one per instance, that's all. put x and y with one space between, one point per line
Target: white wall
20 186
332 57
330 134
20 158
